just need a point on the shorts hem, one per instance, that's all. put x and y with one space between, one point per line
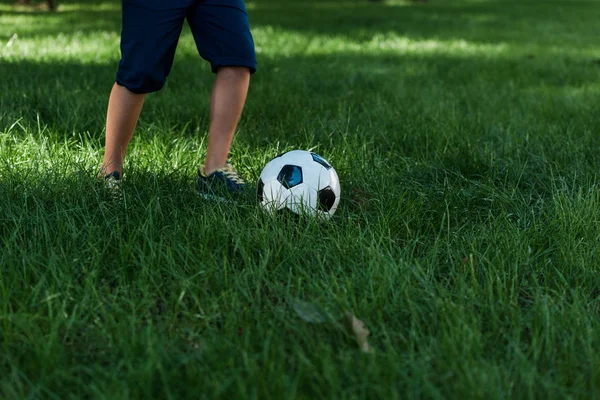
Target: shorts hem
136 89
216 63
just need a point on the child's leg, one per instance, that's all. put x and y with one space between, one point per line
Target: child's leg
149 36
222 33
226 105
124 109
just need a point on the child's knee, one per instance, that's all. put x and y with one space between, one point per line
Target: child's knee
238 70
141 80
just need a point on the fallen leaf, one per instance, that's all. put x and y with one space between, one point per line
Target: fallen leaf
360 332
314 314
308 312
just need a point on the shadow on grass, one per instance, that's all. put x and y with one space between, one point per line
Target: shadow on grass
360 20
387 93
482 22
40 24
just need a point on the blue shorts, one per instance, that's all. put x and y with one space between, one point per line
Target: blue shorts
151 30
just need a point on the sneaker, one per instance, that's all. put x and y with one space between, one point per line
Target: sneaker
224 180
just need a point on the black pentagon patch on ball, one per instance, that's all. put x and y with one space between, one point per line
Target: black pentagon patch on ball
326 199
290 176
320 160
259 190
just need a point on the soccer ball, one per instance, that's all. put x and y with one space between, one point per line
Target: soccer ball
300 181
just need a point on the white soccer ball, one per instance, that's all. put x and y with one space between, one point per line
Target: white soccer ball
300 181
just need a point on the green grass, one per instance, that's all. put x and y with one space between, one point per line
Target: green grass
465 135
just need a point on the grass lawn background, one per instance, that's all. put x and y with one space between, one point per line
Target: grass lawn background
465 136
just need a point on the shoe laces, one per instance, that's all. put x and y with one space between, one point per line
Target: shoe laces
231 174
227 171
113 184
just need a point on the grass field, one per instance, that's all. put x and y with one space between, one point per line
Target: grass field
466 137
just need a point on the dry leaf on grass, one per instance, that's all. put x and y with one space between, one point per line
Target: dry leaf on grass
314 314
360 332
308 312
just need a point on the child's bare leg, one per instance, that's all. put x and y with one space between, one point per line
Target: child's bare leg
226 105
124 109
